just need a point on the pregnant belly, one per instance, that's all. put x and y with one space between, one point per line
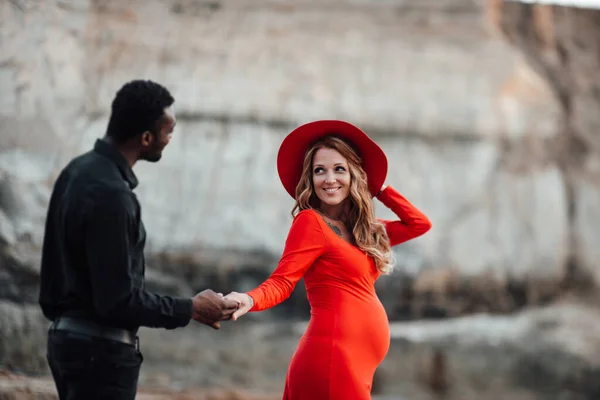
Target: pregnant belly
358 325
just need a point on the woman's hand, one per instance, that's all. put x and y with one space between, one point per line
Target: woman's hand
245 303
382 189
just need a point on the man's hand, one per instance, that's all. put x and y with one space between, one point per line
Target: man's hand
245 303
210 308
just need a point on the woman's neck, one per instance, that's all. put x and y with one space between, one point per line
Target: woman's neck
335 213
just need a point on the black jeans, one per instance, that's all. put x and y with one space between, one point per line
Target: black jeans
88 368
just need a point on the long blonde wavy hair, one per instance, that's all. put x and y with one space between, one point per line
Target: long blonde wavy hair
368 233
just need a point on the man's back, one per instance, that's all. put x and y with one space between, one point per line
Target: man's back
93 256
86 183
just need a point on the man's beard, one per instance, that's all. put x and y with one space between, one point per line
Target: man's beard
151 156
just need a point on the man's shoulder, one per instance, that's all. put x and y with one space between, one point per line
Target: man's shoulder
93 169
92 176
89 162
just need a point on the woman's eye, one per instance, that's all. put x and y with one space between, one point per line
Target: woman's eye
340 168
318 170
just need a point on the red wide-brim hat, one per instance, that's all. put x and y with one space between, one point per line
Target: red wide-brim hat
290 157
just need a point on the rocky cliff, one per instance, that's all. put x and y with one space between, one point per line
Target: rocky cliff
561 45
464 119
487 112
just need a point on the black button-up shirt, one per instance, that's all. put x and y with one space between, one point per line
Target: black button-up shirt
93 253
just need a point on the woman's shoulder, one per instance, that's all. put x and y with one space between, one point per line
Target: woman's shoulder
308 215
309 218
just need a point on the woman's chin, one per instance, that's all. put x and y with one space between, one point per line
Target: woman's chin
332 201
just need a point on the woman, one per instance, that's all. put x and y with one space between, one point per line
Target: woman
332 169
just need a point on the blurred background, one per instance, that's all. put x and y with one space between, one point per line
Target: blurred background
487 110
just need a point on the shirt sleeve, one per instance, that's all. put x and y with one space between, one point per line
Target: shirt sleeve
110 230
304 244
412 222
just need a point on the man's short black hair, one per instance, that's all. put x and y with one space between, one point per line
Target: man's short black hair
138 107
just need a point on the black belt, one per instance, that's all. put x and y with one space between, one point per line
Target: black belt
93 329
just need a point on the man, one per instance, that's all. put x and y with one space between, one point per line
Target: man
92 269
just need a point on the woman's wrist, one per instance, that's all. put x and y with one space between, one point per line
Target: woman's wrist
250 300
381 190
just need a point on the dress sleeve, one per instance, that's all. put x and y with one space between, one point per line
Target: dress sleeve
304 244
412 222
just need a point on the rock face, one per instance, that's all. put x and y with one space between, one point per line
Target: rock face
463 120
491 132
561 45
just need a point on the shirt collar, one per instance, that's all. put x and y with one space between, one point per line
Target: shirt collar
109 151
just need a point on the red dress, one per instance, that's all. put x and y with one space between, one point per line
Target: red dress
348 334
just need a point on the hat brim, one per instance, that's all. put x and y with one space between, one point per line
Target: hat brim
290 157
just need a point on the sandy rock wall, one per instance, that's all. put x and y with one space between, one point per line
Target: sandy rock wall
445 99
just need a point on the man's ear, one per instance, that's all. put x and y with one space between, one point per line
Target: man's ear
147 139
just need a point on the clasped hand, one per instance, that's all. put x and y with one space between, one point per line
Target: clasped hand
245 303
210 308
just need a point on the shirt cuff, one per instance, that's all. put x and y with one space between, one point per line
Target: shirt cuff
183 310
